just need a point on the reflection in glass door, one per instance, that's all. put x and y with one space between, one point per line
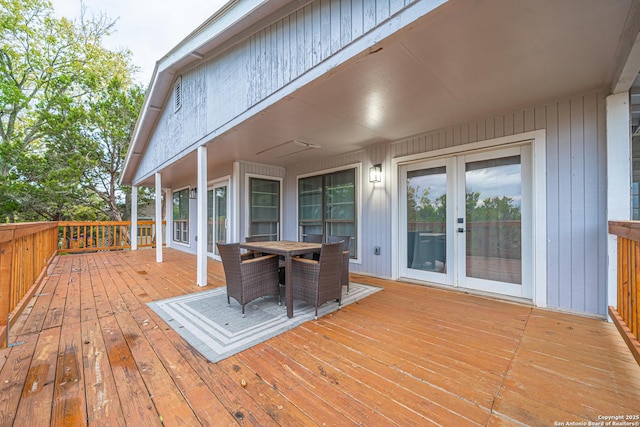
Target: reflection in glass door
425 226
427 219
466 221
217 221
493 203
494 207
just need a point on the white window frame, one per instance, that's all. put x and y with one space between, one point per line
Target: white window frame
358 184
173 219
247 197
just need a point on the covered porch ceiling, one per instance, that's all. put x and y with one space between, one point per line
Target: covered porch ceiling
464 61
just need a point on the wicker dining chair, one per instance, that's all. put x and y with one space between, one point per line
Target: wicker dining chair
317 282
250 278
346 254
253 254
313 238
256 238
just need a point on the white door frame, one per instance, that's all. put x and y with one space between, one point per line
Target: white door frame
522 290
211 187
538 253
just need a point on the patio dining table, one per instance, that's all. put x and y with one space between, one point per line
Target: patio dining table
288 249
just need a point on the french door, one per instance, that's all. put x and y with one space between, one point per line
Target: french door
217 219
466 221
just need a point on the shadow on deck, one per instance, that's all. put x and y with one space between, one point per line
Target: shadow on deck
94 353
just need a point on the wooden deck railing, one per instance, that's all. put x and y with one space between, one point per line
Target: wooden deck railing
26 249
25 253
104 235
627 315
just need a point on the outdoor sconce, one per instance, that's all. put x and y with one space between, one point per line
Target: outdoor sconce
375 173
193 193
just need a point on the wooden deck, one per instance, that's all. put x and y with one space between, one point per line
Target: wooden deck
94 353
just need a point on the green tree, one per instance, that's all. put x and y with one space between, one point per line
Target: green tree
56 132
112 118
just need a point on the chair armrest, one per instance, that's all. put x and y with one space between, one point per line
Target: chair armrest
258 259
304 260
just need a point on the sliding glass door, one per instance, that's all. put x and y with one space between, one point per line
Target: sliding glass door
217 219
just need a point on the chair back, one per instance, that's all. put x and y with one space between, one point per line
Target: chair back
257 238
330 264
313 238
345 239
230 255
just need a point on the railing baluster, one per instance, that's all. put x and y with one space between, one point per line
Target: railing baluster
626 315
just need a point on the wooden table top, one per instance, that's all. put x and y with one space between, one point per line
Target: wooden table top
283 247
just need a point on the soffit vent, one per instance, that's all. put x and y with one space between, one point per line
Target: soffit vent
177 94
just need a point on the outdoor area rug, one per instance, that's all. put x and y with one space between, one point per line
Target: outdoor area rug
218 330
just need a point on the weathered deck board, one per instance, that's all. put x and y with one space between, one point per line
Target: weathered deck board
94 353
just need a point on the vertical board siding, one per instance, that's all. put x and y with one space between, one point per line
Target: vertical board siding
249 72
177 129
576 193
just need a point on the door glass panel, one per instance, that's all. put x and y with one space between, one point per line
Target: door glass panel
493 212
221 215
427 219
216 218
210 221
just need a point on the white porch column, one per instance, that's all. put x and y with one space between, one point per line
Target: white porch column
168 217
618 180
134 218
201 244
158 217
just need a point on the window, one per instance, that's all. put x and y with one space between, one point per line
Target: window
327 205
181 216
177 94
264 209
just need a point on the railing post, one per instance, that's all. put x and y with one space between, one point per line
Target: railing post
6 264
626 313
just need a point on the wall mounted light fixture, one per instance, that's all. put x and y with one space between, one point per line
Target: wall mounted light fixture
375 173
193 193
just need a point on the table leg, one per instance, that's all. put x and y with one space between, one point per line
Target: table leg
288 286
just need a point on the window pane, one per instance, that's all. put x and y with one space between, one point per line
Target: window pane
181 214
310 198
340 193
265 207
326 205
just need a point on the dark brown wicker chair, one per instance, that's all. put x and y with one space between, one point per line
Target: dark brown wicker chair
346 254
317 282
313 238
248 279
257 238
253 254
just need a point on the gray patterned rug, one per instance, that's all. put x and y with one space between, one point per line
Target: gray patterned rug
218 330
